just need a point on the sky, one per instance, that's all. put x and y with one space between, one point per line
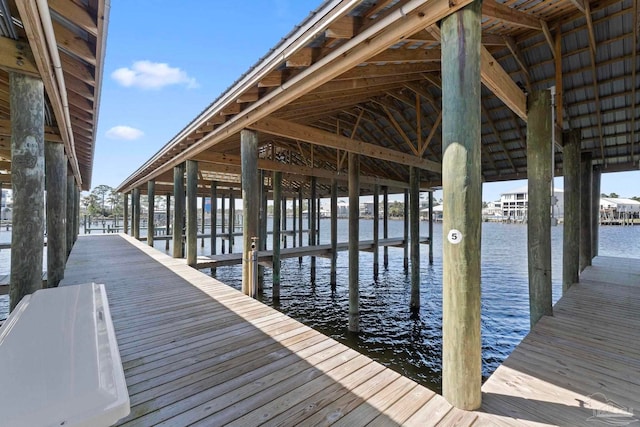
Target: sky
165 64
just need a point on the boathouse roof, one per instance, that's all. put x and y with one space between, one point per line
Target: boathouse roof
365 77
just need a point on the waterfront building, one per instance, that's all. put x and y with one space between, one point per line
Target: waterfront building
515 204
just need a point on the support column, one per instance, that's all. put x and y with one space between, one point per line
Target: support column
263 229
385 225
334 233
294 230
414 217
585 210
192 213
56 185
277 211
312 226
430 227
232 220
167 230
376 230
250 205
571 230
405 231
354 233
222 217
202 211
595 212
27 184
71 183
214 216
300 209
151 214
283 218
125 219
462 188
76 216
539 173
178 209
135 210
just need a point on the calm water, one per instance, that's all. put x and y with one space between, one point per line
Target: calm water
388 335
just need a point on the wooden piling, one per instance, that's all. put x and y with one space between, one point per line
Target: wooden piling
168 222
76 215
414 225
430 227
251 202
334 233
56 206
222 217
376 230
312 225
125 219
571 230
232 221
294 218
354 233
385 225
192 213
71 182
283 218
202 212
462 190
277 220
263 229
539 174
27 184
214 216
151 213
585 210
300 209
595 210
405 232
178 209
135 210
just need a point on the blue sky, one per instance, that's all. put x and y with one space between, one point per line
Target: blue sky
166 63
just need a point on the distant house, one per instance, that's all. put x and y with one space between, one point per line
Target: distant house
617 208
493 210
515 203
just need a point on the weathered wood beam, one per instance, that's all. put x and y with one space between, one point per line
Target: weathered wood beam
318 137
76 14
15 55
68 40
343 28
493 9
406 55
500 83
387 70
517 55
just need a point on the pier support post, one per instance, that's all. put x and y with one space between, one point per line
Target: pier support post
312 226
262 244
125 219
300 222
405 232
595 212
414 217
283 218
151 213
178 209
135 210
56 185
571 230
76 216
376 231
462 191
385 225
354 247
167 229
277 218
202 212
334 233
539 174
232 220
251 202
27 184
585 210
71 195
222 218
214 216
294 225
430 227
192 213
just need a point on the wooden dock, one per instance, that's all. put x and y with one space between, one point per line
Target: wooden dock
196 351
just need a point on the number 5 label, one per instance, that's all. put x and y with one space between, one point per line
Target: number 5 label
454 237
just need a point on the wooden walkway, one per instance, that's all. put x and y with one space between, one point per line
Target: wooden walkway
198 352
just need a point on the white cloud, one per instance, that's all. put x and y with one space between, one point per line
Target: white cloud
152 75
124 132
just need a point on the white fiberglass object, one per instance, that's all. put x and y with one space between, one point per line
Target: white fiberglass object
59 361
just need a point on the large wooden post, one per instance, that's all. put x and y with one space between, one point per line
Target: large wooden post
135 208
334 233
300 237
571 231
539 173
76 216
405 231
414 217
202 212
251 203
222 218
312 226
178 209
125 219
214 216
277 211
595 210
283 218
430 227
462 190
354 249
294 226
192 213
167 230
151 213
56 184
27 184
232 220
376 231
385 225
71 188
585 210
263 229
